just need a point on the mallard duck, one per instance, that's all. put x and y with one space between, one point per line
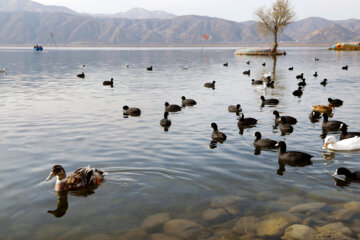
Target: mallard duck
343 145
345 134
133 111
210 84
188 102
323 108
264 143
216 135
235 108
348 174
82 177
172 107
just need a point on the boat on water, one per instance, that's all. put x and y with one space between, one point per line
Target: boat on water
257 51
38 47
346 46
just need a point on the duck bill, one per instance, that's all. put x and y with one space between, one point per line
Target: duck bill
50 176
335 174
325 145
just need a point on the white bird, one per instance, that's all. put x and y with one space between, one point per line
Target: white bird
3 70
343 145
185 67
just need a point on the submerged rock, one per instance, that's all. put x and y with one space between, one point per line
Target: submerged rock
275 223
98 236
134 234
341 214
299 232
182 228
246 225
354 206
332 236
225 201
162 236
307 207
337 227
216 214
154 223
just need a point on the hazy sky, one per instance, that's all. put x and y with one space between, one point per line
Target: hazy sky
237 10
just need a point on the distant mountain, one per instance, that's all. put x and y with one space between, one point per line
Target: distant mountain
30 6
140 13
75 29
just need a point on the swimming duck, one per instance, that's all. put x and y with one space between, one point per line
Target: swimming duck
285 127
314 116
233 108
270 84
345 134
133 111
149 68
216 135
316 59
315 74
345 67
298 92
343 145
348 174
264 64
264 143
165 122
246 121
3 70
289 119
300 76
248 62
109 83
270 101
335 102
210 85
303 83
187 102
292 157
172 107
226 64
82 177
256 82
324 82
81 75
247 72
323 109
291 68
330 125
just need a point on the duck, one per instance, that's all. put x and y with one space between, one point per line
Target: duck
285 127
291 68
289 119
300 76
81 178
264 64
172 107
303 83
165 122
264 143
149 68
330 125
217 135
247 72
3 70
133 111
188 102
210 84
324 82
270 101
292 157
270 84
315 74
342 145
345 134
256 82
335 102
109 83
323 109
314 116
348 174
298 92
226 64
81 75
248 62
345 67
235 108
185 67
246 121
316 59
127 65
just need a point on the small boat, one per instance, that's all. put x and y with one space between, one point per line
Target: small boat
38 48
256 51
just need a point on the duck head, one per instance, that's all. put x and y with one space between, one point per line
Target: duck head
282 146
329 140
342 171
214 126
257 135
58 171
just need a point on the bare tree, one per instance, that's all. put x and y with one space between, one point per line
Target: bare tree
273 20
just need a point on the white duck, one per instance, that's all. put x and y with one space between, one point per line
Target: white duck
343 145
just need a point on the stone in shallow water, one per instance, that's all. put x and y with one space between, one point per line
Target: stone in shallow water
162 236
154 223
212 214
354 206
246 225
332 236
299 232
134 234
225 201
98 236
182 228
307 207
275 223
355 226
337 227
341 214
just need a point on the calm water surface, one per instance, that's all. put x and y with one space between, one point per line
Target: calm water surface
48 117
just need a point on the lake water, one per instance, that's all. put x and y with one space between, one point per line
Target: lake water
48 117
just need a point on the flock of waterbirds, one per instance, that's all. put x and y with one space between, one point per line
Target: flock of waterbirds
348 140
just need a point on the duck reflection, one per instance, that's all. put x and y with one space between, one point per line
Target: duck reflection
280 171
213 144
328 155
62 200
